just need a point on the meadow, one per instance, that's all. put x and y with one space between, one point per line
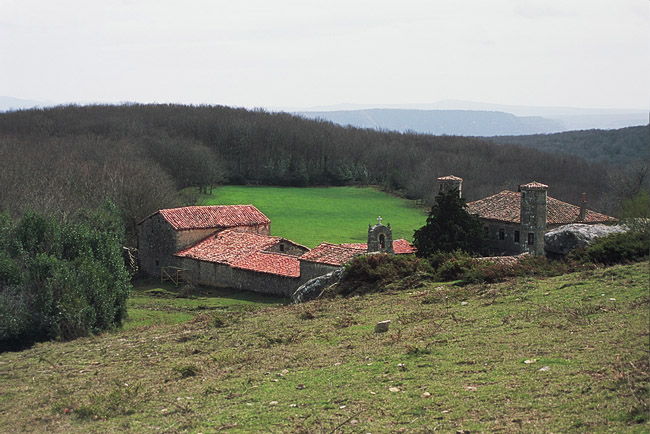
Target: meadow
335 214
564 354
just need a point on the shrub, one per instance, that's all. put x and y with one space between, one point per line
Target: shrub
61 281
616 248
371 273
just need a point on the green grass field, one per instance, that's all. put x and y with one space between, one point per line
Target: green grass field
567 354
336 214
155 303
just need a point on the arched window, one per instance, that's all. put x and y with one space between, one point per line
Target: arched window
382 241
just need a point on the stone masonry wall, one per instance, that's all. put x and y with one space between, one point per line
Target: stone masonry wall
533 219
223 276
310 270
156 245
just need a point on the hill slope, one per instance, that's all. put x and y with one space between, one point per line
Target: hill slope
567 354
621 146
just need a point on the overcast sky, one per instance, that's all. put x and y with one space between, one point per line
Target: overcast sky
303 53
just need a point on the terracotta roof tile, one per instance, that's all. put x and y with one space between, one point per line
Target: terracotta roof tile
403 247
331 254
400 246
245 251
270 263
506 207
216 216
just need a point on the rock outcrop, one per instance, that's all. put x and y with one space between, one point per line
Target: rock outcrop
562 240
315 287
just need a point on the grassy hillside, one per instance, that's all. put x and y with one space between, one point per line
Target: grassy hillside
337 214
567 354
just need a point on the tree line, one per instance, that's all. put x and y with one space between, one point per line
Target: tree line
61 160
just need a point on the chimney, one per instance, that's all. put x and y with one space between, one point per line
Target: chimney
583 208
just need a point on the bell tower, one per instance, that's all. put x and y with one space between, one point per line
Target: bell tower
380 238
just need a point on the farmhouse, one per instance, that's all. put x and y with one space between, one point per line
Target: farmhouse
243 260
517 221
231 246
167 231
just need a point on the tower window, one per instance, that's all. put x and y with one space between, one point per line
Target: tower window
531 238
516 236
502 234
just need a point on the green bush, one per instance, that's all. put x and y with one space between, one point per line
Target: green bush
371 273
61 281
616 248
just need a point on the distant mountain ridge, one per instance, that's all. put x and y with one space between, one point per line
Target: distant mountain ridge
530 119
9 103
441 122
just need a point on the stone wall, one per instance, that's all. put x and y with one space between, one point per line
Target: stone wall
288 248
310 270
503 237
223 276
157 243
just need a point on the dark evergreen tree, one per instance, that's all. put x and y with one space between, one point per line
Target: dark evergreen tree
450 227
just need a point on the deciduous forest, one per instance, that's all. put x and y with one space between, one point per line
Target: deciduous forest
61 160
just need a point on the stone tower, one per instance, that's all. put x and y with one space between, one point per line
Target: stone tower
380 238
533 217
446 183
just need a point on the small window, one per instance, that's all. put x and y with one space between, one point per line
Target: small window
516 236
502 234
531 238
382 241
282 247
157 262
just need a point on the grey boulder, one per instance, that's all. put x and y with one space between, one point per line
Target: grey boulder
568 237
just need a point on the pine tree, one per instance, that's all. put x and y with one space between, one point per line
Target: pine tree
450 227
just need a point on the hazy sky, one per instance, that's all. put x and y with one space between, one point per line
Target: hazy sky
303 53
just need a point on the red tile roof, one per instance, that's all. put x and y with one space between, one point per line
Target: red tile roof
245 251
400 246
506 207
270 263
217 216
331 254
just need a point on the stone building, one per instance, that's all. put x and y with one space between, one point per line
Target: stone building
517 221
231 247
246 261
167 231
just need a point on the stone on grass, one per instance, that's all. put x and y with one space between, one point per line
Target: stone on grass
382 326
562 240
315 287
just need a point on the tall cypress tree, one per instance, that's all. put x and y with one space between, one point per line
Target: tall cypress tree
450 227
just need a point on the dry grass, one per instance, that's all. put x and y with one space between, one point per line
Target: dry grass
319 367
